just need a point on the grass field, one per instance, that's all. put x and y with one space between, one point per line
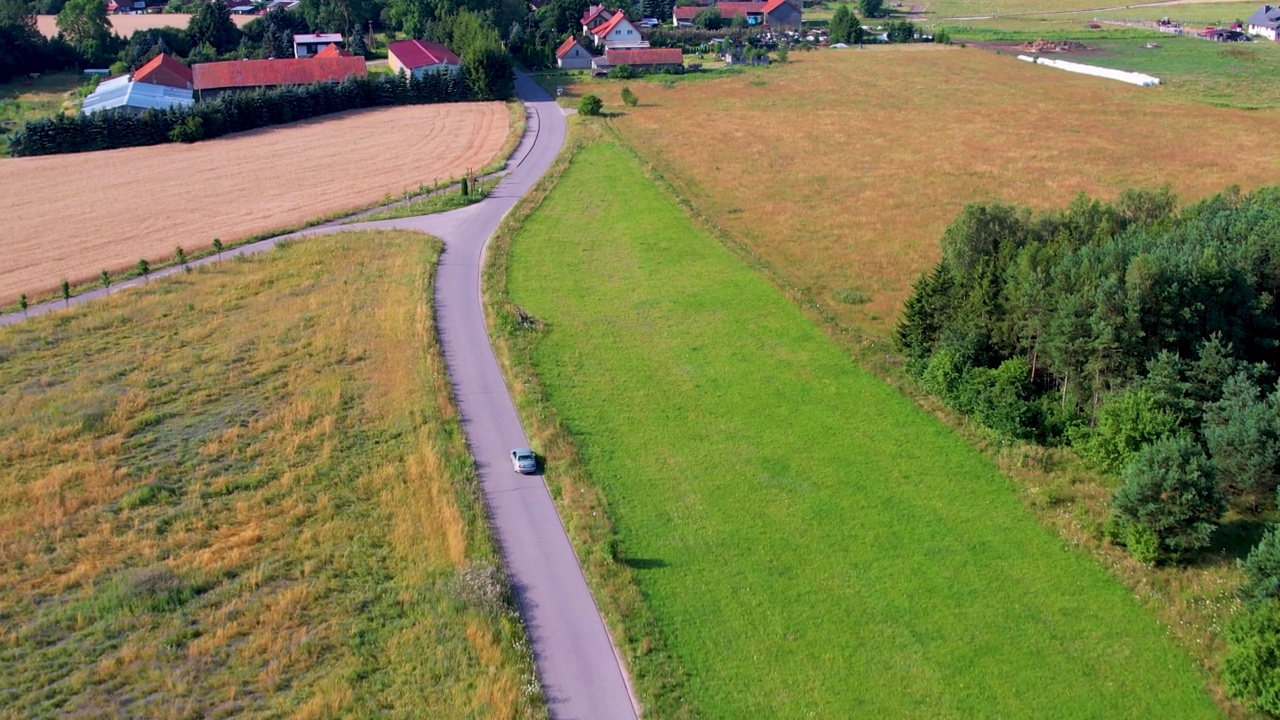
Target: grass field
71 216
51 94
244 492
842 169
811 543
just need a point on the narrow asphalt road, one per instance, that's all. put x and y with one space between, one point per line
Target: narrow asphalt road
581 673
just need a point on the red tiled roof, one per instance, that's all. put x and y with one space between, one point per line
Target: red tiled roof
645 56
688 13
164 70
730 9
591 13
266 73
419 53
566 46
604 29
332 51
775 4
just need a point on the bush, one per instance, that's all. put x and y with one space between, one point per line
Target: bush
1262 570
1251 670
1126 422
189 130
590 105
621 72
1171 491
629 98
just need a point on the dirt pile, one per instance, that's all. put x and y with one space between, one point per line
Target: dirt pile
1051 46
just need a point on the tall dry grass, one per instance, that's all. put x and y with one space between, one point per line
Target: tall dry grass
842 169
235 492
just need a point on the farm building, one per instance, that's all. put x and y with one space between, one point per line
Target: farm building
1265 21
135 98
305 46
164 70
572 56
418 57
594 17
645 59
618 32
212 79
774 13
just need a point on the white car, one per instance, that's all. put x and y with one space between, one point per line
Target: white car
524 461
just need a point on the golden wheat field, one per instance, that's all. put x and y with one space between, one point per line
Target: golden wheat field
843 169
126 25
244 492
72 216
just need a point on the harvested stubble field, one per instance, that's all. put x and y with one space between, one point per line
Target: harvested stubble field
126 25
71 216
244 492
842 169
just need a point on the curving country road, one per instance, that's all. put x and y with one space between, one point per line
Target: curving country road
580 670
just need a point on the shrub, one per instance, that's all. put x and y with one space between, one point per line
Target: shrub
1171 491
189 130
590 105
622 72
629 98
1126 422
1251 670
1262 570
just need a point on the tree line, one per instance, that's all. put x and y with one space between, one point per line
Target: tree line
1146 338
231 112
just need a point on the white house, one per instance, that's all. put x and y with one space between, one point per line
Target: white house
1265 22
305 46
618 32
572 56
419 57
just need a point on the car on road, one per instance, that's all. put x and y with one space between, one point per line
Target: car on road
524 461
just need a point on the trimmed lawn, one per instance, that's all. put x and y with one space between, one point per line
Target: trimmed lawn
811 542
243 492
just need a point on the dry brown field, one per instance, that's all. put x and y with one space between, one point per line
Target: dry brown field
71 216
843 169
126 25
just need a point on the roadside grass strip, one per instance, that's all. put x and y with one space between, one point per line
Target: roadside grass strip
811 543
244 492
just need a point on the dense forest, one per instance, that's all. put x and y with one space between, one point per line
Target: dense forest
1145 337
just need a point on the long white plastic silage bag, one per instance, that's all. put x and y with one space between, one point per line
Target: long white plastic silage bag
1132 78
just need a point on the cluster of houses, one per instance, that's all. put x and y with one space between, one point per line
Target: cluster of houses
614 40
165 82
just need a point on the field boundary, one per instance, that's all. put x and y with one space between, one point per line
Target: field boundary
656 677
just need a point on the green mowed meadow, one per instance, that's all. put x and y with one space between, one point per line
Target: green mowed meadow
811 542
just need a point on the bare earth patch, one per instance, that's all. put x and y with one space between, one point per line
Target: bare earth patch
71 216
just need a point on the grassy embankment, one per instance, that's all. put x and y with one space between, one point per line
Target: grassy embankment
809 541
874 179
244 491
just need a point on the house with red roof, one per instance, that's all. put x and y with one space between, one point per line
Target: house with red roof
773 13
334 50
416 58
215 78
618 32
572 56
164 70
594 17
645 59
308 44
